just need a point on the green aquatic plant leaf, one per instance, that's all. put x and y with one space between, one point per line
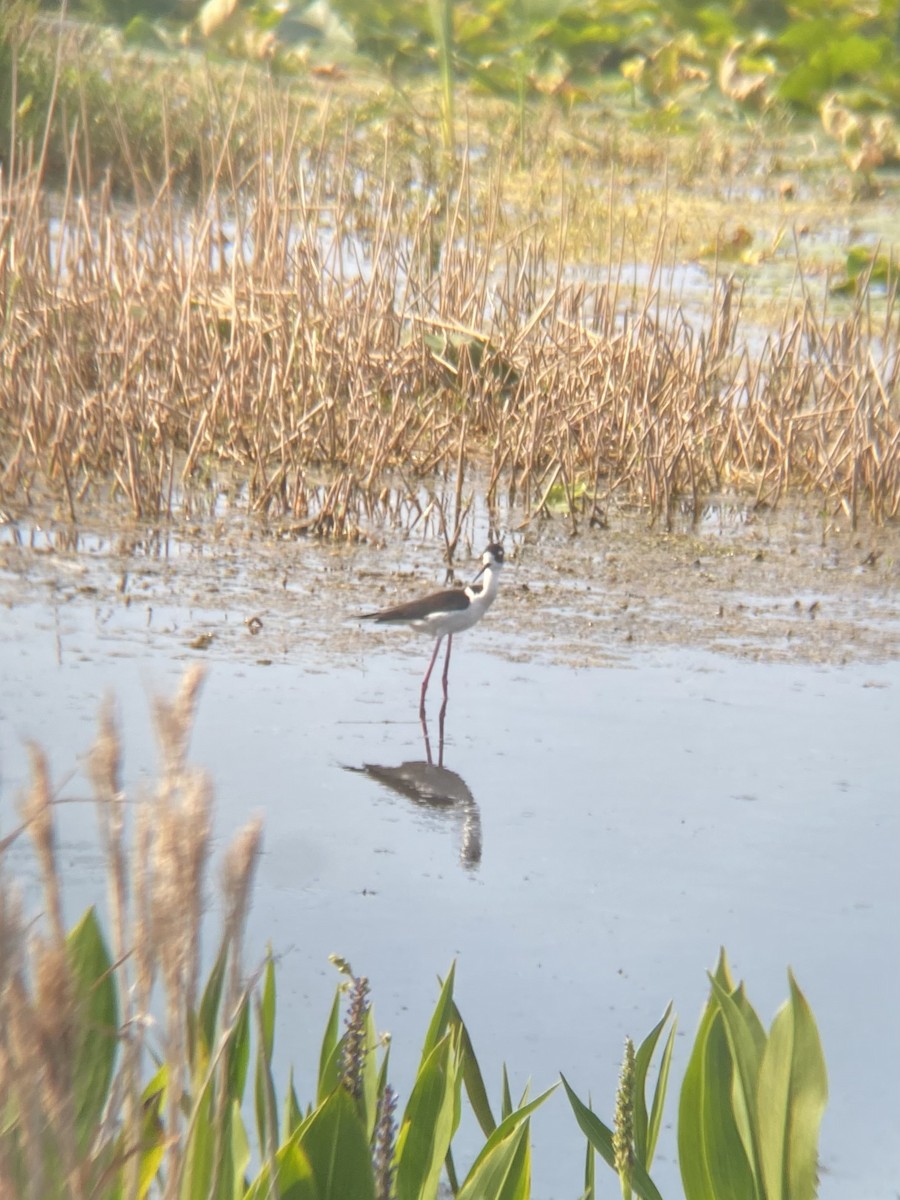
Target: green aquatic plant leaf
335 1142
793 1091
96 1036
330 1052
473 1078
495 1161
600 1137
294 1176
646 1127
429 1122
502 1172
711 1153
441 1017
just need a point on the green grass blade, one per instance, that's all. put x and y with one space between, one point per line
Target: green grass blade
440 1018
506 1128
643 1146
328 1077
600 1137
659 1096
371 1087
266 1103
590 1171
473 1078
293 1116
208 1021
238 1156
506 1104
504 1173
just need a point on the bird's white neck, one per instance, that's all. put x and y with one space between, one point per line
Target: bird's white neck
482 592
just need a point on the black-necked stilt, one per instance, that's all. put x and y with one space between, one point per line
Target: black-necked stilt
447 612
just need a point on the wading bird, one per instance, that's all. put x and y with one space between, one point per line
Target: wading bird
447 612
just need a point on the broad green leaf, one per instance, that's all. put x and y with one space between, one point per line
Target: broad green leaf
336 1145
711 1152
600 1137
473 1079
644 1139
745 1056
208 1151
294 1178
96 1041
504 1173
809 1090
429 1122
793 1090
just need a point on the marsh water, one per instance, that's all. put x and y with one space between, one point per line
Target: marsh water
655 745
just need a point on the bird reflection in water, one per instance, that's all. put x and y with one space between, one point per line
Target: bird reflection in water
433 786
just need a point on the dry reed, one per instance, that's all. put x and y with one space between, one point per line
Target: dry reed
327 323
156 898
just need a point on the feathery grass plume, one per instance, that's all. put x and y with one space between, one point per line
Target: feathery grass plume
174 720
623 1129
383 1145
105 771
37 815
354 1063
179 847
179 855
143 945
237 878
19 1052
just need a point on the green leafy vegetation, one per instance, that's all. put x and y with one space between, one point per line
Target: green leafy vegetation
124 1074
576 49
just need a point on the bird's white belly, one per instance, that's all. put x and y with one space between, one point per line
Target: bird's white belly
454 622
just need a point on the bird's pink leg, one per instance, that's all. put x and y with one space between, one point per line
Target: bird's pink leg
437 646
447 664
443 712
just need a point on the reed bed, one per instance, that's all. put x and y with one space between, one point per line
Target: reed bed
334 324
77 1050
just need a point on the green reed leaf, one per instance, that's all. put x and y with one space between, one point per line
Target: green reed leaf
429 1122
96 1041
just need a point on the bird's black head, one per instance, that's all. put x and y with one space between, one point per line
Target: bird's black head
493 555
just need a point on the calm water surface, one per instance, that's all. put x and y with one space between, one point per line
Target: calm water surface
612 827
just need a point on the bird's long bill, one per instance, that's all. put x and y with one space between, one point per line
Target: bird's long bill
480 573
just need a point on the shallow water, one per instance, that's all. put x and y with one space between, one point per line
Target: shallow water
624 800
